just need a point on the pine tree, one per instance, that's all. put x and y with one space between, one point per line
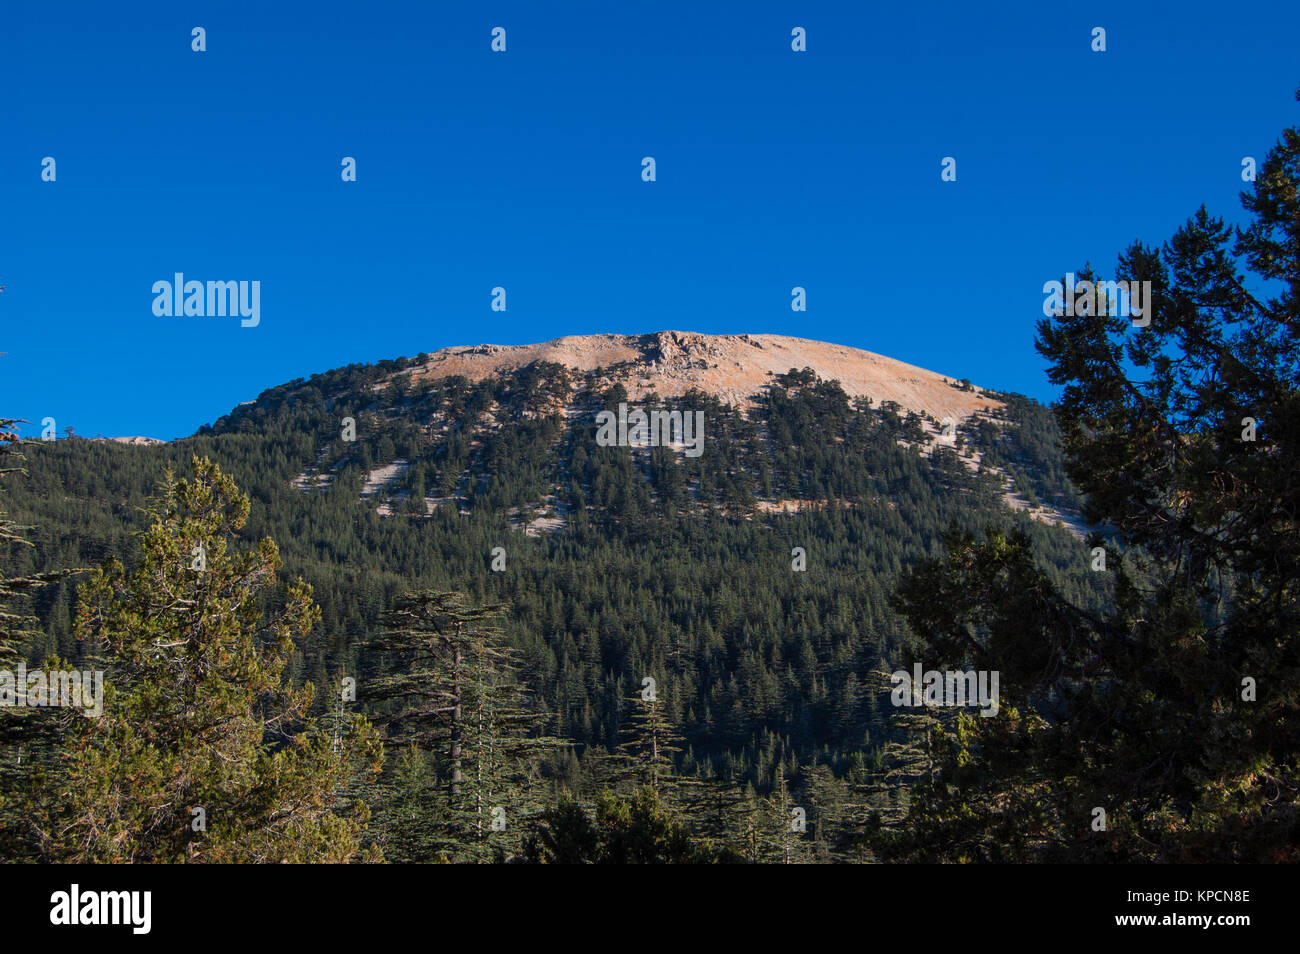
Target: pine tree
204 752
1173 709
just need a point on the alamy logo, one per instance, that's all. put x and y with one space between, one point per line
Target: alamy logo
40 689
103 907
215 300
944 688
1121 298
658 429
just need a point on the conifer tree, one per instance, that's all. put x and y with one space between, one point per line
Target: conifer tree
789 821
626 829
204 752
27 736
402 801
651 742
454 691
1161 727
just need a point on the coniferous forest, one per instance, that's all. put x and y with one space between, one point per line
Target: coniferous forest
515 678
619 654
387 615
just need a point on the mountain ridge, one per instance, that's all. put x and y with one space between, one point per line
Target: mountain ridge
735 368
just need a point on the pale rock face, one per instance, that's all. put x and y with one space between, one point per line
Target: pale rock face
733 368
137 441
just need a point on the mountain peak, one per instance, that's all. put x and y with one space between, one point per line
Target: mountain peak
733 368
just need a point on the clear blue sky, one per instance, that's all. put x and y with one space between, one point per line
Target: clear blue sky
522 169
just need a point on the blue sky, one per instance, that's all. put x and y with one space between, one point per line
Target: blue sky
523 170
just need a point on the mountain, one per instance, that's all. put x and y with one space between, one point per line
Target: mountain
735 370
478 469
